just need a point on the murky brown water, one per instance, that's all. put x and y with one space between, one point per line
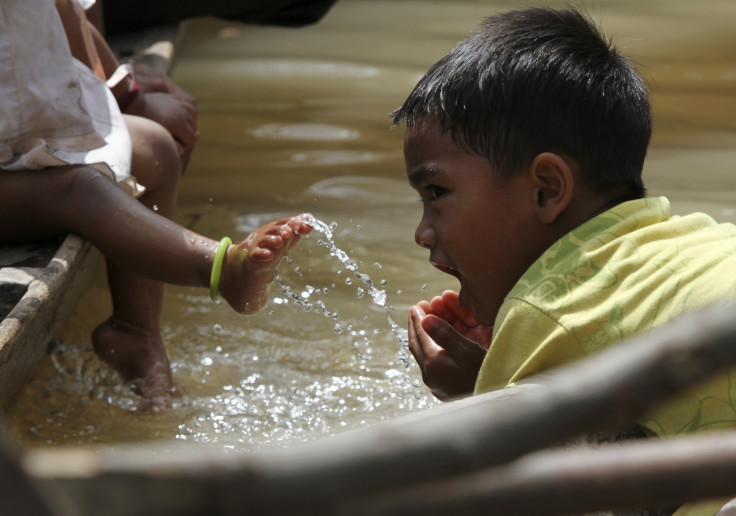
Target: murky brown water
295 120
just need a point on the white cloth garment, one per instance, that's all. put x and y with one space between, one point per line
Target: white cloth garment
53 110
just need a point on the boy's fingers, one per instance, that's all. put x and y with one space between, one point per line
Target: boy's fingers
462 350
451 298
427 348
423 307
452 302
415 323
441 332
439 308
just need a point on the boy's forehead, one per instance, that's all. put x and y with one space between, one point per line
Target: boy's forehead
429 141
425 137
422 145
430 153
425 127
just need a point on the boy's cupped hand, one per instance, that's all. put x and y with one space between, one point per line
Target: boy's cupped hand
449 345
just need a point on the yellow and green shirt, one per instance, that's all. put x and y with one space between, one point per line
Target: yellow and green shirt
629 270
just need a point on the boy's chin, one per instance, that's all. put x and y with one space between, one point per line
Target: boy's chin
465 302
480 313
483 319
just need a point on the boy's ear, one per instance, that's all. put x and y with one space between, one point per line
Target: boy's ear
554 183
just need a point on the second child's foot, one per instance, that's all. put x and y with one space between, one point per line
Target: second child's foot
249 267
137 356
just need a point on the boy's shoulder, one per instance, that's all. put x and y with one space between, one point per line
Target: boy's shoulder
628 270
626 240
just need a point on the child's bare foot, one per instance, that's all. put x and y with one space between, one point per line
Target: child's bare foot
249 267
137 356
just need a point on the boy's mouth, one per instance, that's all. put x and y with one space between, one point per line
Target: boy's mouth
446 269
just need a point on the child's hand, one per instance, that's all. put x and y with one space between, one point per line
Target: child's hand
449 345
150 80
176 115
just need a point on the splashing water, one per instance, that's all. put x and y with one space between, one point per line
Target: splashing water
377 295
234 387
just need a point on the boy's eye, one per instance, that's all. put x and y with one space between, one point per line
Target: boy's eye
435 192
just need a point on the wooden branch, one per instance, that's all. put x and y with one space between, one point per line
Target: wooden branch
602 392
631 475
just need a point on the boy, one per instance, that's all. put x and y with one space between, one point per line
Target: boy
526 144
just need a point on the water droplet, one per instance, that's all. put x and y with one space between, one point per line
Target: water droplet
379 297
364 278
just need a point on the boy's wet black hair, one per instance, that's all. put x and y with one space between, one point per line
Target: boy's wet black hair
540 80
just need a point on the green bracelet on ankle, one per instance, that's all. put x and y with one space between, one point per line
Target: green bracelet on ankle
217 268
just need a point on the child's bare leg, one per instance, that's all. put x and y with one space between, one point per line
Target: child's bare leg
55 201
39 204
249 267
130 340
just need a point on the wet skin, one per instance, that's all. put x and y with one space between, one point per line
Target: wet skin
476 226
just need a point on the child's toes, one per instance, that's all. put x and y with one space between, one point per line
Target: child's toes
286 232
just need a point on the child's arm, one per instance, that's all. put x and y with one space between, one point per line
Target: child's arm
158 99
81 42
448 344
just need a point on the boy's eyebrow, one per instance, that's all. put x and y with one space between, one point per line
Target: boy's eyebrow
422 175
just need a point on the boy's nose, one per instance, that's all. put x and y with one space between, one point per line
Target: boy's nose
423 236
